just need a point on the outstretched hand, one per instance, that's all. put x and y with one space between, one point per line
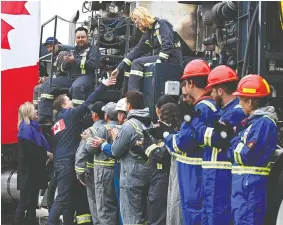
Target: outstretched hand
110 81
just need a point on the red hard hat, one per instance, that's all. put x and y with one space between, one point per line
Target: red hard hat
221 74
252 86
196 68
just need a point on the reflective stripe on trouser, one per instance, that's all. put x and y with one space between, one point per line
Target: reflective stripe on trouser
106 203
91 196
248 200
157 197
190 174
216 188
134 184
174 212
137 72
81 205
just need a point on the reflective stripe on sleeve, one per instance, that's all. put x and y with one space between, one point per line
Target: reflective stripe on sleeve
47 96
208 136
85 218
136 72
78 102
127 61
163 55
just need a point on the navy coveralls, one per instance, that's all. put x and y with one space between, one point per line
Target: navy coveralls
163 41
79 79
66 131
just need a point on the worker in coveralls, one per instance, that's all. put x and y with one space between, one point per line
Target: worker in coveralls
121 108
80 66
169 115
66 132
158 37
216 164
253 149
129 146
84 159
188 152
106 202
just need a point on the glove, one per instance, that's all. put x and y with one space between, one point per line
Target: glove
226 132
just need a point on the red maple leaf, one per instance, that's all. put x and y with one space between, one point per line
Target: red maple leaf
5 28
14 7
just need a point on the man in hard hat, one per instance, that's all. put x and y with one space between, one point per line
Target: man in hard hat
216 164
189 153
252 150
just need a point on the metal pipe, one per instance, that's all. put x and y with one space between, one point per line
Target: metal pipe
48 21
53 52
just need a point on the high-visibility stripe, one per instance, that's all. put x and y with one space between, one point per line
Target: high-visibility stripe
209 104
127 61
147 74
158 36
136 72
214 154
216 165
103 145
148 43
89 165
163 55
79 169
78 102
250 170
93 130
207 136
238 106
175 147
126 74
188 160
178 45
104 163
237 153
159 166
48 96
271 119
150 149
61 67
81 219
82 65
136 127
157 25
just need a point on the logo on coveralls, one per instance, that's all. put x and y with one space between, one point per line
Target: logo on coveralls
59 126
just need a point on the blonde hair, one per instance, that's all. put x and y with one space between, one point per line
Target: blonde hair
25 113
147 19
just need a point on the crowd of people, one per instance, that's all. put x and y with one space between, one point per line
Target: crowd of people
205 161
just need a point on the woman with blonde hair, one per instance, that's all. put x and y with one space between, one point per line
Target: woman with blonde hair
158 38
32 155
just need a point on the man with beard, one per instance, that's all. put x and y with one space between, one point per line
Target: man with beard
216 164
80 67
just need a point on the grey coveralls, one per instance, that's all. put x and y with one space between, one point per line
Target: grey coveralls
107 205
84 170
135 172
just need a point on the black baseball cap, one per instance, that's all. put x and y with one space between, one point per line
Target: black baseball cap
97 107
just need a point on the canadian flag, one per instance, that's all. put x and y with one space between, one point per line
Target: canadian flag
20 38
58 126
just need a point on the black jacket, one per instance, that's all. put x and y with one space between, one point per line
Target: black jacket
31 166
162 39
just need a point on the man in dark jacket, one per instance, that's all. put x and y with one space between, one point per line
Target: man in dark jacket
66 132
158 38
80 67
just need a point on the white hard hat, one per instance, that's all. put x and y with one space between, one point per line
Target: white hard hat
121 105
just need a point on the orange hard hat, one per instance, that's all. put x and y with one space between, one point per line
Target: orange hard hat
253 86
221 74
196 68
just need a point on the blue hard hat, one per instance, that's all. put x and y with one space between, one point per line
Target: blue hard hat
50 41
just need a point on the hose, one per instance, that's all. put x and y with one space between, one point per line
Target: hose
248 41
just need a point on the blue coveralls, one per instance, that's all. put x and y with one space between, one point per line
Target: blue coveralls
66 131
189 160
79 79
252 149
163 41
216 164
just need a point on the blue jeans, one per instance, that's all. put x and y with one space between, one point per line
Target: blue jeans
64 202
